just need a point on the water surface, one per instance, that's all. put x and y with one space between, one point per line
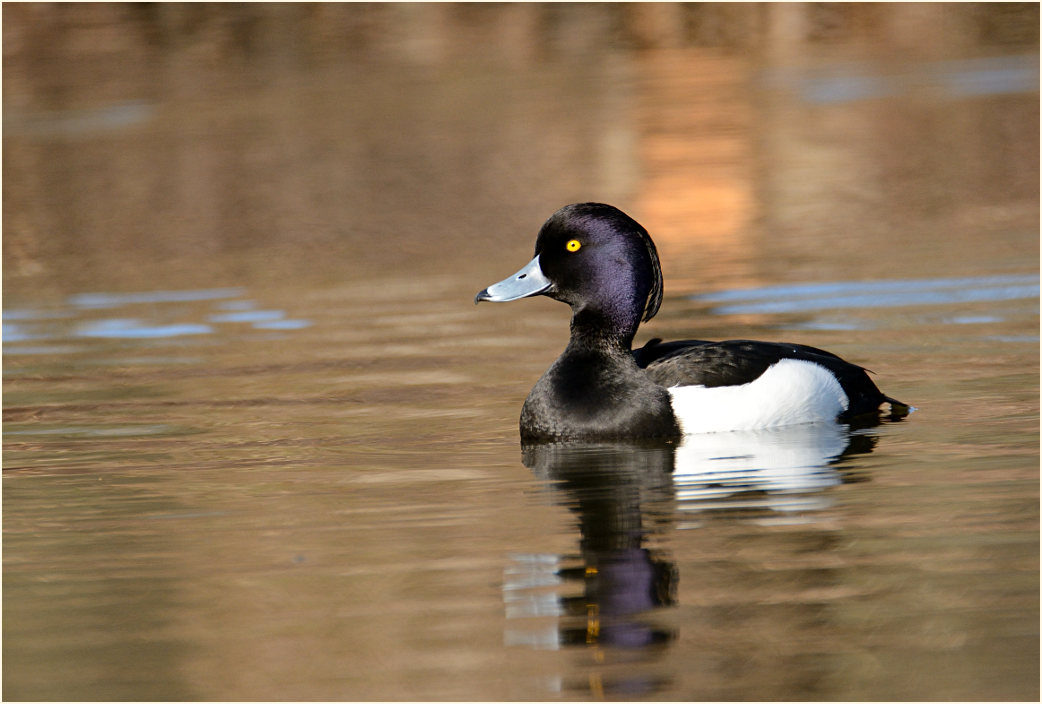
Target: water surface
259 444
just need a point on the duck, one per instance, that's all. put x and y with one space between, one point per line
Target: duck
604 265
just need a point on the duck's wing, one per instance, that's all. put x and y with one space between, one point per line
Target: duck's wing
736 362
702 363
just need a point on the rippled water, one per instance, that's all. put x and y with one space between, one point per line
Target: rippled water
288 467
201 504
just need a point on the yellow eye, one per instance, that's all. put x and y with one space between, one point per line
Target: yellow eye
573 245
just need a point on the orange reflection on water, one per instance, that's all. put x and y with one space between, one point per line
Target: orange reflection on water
697 194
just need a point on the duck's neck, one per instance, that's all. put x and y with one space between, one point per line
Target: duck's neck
597 329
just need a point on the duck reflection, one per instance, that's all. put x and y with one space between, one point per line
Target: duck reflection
615 491
628 498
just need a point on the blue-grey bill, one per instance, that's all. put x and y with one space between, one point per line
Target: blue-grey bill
527 282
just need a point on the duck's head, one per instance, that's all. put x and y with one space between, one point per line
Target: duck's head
596 259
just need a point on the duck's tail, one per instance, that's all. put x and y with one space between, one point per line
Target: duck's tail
898 409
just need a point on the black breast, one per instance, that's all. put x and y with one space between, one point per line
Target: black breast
591 395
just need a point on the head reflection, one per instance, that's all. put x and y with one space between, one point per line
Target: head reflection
627 499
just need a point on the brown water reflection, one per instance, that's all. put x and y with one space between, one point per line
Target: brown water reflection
259 445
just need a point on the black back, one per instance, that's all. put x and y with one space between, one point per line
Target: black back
735 362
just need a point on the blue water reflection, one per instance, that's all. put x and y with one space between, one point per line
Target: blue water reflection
847 82
79 122
282 324
130 328
13 332
141 315
873 294
112 300
248 316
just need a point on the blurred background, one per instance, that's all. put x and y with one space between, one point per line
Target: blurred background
197 143
259 444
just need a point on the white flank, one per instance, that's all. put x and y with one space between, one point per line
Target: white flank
791 391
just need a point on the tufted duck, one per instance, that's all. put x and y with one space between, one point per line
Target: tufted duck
604 265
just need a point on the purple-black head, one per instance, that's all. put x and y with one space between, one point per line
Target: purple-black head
596 259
